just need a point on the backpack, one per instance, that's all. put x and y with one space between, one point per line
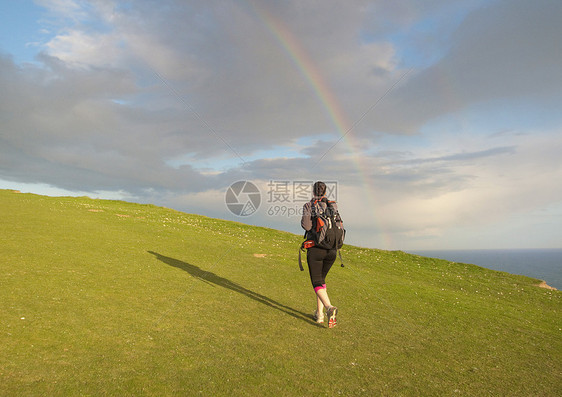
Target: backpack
327 228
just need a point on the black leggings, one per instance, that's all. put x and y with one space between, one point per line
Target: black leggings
320 261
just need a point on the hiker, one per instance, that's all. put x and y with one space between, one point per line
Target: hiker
320 259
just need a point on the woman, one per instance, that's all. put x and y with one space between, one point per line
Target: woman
319 260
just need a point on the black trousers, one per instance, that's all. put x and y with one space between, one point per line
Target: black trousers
320 261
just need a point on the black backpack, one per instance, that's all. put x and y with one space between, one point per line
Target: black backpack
327 228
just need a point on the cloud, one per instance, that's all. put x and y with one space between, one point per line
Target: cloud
464 156
61 126
507 51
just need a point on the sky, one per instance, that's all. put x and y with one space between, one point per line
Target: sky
437 123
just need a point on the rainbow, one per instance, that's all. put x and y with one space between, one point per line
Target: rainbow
313 76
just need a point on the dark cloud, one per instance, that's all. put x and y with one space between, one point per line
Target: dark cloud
510 50
463 157
60 126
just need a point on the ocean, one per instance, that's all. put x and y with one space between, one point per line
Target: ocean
544 264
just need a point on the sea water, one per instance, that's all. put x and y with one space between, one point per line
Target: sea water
544 264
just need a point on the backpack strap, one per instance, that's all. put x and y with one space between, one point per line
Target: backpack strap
301 249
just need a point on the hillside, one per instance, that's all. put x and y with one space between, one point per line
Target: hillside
103 297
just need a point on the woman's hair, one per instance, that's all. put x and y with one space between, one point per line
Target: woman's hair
319 189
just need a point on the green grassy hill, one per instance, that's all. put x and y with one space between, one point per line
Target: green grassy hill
111 298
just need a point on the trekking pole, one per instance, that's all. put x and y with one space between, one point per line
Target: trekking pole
341 259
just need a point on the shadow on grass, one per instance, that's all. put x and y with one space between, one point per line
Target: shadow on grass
216 280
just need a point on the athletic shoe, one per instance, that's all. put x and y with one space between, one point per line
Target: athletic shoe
331 313
318 318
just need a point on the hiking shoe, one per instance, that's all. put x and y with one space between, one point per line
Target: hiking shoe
331 313
319 318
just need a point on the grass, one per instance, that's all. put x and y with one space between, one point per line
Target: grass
112 298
